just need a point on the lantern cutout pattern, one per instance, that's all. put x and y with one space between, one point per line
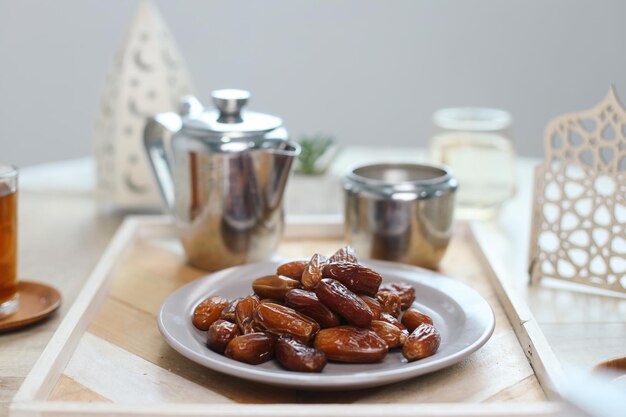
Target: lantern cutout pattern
148 76
579 209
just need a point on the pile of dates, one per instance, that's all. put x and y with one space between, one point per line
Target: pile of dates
313 311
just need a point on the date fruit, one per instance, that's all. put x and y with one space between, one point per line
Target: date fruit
220 334
344 302
252 348
351 344
278 319
358 279
412 318
274 286
244 314
393 336
208 311
270 300
293 269
373 304
228 313
423 342
307 303
295 356
405 291
318 310
313 272
390 302
345 254
388 318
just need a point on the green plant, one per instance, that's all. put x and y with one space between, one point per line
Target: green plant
313 148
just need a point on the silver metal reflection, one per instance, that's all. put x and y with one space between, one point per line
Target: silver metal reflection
222 173
400 212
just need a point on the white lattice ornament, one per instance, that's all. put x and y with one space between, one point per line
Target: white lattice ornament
579 212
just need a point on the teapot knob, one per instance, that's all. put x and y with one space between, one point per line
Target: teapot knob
230 102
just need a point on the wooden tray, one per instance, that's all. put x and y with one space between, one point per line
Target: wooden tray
108 358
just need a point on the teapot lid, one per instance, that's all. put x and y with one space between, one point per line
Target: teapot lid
228 116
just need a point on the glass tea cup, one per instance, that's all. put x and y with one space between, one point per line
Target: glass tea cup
476 144
8 240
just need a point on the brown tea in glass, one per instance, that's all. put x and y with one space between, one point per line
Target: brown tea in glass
8 240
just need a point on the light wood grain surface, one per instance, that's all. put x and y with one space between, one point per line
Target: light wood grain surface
60 240
123 359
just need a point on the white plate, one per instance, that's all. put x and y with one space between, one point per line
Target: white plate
463 317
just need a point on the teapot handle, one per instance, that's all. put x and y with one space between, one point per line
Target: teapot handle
157 141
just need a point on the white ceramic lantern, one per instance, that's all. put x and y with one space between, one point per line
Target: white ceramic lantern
148 76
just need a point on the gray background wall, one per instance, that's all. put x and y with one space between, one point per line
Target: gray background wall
367 71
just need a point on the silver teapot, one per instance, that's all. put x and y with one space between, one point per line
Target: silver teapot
222 172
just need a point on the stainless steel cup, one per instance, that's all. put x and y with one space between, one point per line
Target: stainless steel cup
400 212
